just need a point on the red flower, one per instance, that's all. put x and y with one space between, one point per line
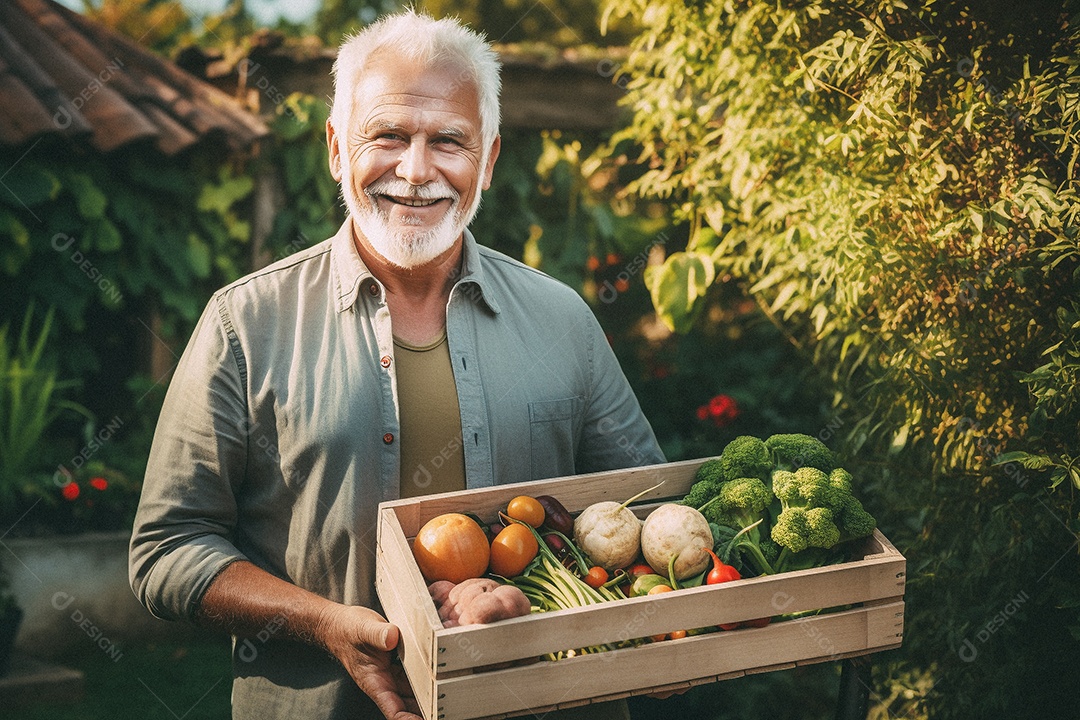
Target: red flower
722 409
99 483
703 413
70 491
612 259
593 263
622 285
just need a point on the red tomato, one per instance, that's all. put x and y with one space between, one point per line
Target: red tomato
637 570
526 509
512 550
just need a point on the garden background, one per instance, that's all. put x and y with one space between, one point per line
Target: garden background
856 220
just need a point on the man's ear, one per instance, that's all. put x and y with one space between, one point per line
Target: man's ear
335 151
496 145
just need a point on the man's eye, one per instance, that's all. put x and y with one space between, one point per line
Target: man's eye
447 141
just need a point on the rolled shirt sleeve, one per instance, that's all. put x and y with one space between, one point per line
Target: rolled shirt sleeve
184 526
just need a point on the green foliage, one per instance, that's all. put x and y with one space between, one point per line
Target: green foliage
310 209
561 23
895 186
31 401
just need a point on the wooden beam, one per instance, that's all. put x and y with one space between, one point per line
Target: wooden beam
541 90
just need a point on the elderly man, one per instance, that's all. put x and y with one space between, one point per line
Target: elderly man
394 359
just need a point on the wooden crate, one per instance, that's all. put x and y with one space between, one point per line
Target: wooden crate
449 668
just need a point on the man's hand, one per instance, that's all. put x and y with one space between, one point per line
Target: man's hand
362 641
244 598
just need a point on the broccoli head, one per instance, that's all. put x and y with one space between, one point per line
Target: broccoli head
790 452
745 457
817 510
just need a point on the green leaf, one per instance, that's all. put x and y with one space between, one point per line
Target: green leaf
1015 456
103 236
28 185
199 256
90 201
678 286
219 198
14 243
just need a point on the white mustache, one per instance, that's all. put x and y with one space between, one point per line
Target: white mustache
436 190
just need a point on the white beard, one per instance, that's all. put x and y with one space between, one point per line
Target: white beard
403 247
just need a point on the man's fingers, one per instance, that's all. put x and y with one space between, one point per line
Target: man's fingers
379 685
378 635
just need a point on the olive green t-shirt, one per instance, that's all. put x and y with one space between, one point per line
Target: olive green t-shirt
432 457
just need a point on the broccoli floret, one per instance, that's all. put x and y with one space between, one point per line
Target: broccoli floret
740 502
743 503
706 485
853 521
794 451
745 457
799 528
817 511
711 470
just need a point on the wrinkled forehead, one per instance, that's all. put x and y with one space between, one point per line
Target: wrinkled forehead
392 84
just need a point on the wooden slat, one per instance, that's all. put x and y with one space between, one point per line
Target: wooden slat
406 603
575 492
537 634
644 669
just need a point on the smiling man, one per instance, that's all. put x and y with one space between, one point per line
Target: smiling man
394 359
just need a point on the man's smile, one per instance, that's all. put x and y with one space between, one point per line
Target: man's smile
412 201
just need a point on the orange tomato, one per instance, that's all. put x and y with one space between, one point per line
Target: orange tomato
527 510
451 547
512 550
677 634
660 589
596 577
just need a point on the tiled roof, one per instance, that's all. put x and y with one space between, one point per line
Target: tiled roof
61 73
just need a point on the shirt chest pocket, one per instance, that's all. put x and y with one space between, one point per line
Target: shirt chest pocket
554 426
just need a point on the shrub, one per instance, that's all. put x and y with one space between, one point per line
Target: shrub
895 187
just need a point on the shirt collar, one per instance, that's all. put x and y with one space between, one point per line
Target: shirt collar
351 274
472 271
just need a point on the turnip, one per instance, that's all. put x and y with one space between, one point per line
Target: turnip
609 533
678 535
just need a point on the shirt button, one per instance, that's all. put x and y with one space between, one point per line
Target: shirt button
388 438
385 362
373 289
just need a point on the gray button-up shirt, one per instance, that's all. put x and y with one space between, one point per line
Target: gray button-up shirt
277 439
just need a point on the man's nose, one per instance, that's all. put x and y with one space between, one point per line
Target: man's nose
415 165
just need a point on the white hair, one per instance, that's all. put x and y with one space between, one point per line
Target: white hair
434 42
